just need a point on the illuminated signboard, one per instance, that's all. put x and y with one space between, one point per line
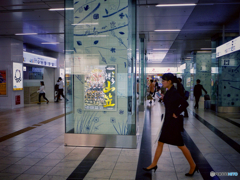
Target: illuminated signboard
30 58
17 76
229 47
100 88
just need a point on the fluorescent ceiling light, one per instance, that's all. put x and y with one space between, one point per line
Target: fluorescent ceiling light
207 48
50 43
167 30
160 49
60 9
24 34
175 5
81 24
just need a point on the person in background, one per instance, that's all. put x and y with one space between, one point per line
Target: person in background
152 89
60 89
197 92
156 86
181 91
41 92
172 125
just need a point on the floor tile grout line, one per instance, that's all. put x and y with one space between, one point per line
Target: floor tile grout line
115 165
229 120
220 134
21 131
213 145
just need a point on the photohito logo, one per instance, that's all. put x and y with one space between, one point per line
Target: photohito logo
212 174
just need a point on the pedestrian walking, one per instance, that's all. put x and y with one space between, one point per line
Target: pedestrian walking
173 124
60 89
197 92
41 92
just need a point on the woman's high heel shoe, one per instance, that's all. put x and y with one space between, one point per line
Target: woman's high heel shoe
155 168
188 174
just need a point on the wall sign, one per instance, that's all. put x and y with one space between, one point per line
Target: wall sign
17 76
229 47
30 58
100 88
3 82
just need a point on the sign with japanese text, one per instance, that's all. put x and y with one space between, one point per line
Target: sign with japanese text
100 91
35 59
3 82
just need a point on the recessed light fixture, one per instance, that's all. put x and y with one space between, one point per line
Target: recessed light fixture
50 43
82 24
167 30
60 9
175 5
25 34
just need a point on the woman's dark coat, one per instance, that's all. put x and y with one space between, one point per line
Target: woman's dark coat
172 127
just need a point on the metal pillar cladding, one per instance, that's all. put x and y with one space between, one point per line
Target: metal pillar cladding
187 76
100 56
141 72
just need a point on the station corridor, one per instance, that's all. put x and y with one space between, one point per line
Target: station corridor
32 147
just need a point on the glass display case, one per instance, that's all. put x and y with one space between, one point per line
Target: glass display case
100 63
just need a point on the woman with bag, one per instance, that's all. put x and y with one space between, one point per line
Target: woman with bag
173 124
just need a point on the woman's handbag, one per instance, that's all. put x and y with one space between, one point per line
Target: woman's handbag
160 129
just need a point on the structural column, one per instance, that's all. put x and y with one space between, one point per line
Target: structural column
141 73
11 51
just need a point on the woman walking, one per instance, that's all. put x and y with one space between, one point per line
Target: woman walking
41 92
172 127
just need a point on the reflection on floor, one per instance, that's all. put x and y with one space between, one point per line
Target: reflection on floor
39 153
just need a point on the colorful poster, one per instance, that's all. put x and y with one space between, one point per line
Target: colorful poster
17 76
100 88
3 82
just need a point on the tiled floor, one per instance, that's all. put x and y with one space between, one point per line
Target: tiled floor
40 153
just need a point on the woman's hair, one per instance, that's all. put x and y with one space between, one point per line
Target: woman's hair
170 76
42 83
151 80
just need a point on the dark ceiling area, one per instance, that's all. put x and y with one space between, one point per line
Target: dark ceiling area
197 25
203 24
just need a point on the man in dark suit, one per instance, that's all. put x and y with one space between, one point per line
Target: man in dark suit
198 92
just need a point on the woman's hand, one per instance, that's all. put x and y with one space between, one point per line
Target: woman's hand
174 115
162 96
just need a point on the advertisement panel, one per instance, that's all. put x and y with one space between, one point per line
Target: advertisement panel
100 88
17 76
3 82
